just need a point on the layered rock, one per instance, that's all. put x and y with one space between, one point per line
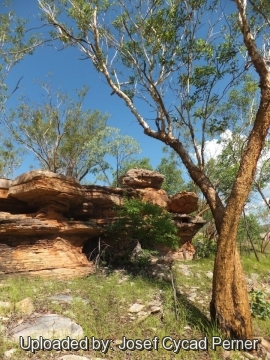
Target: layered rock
183 203
45 191
47 257
142 178
188 226
157 197
44 242
47 219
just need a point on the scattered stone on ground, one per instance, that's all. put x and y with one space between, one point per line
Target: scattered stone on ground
25 306
48 326
9 353
135 308
209 274
62 297
5 304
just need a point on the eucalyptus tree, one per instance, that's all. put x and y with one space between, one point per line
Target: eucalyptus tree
121 149
10 157
62 136
14 45
181 58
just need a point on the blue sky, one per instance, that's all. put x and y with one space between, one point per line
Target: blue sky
70 73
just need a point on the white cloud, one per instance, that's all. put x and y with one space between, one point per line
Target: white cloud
213 148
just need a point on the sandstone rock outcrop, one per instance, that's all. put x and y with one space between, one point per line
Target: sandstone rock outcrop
47 220
157 197
183 203
45 190
44 242
142 178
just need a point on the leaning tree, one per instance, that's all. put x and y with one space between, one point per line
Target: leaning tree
181 58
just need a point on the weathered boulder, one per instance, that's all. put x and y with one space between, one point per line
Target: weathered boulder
49 326
157 197
99 202
102 195
85 210
183 203
5 183
45 242
188 226
46 190
141 178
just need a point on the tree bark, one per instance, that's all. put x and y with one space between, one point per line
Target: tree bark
230 305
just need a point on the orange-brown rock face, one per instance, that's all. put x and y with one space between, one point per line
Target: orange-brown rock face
46 219
45 257
157 197
44 242
188 226
26 224
183 203
47 190
142 178
99 201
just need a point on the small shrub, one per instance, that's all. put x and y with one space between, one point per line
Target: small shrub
260 308
145 222
140 263
205 248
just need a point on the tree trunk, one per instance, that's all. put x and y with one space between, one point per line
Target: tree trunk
230 305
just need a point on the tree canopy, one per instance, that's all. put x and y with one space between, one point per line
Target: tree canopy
64 138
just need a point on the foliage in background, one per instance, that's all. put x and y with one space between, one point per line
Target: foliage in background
10 158
63 137
145 222
13 46
205 247
169 166
259 306
234 120
251 225
126 165
120 149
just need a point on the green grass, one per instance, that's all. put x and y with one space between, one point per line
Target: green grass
261 267
101 304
